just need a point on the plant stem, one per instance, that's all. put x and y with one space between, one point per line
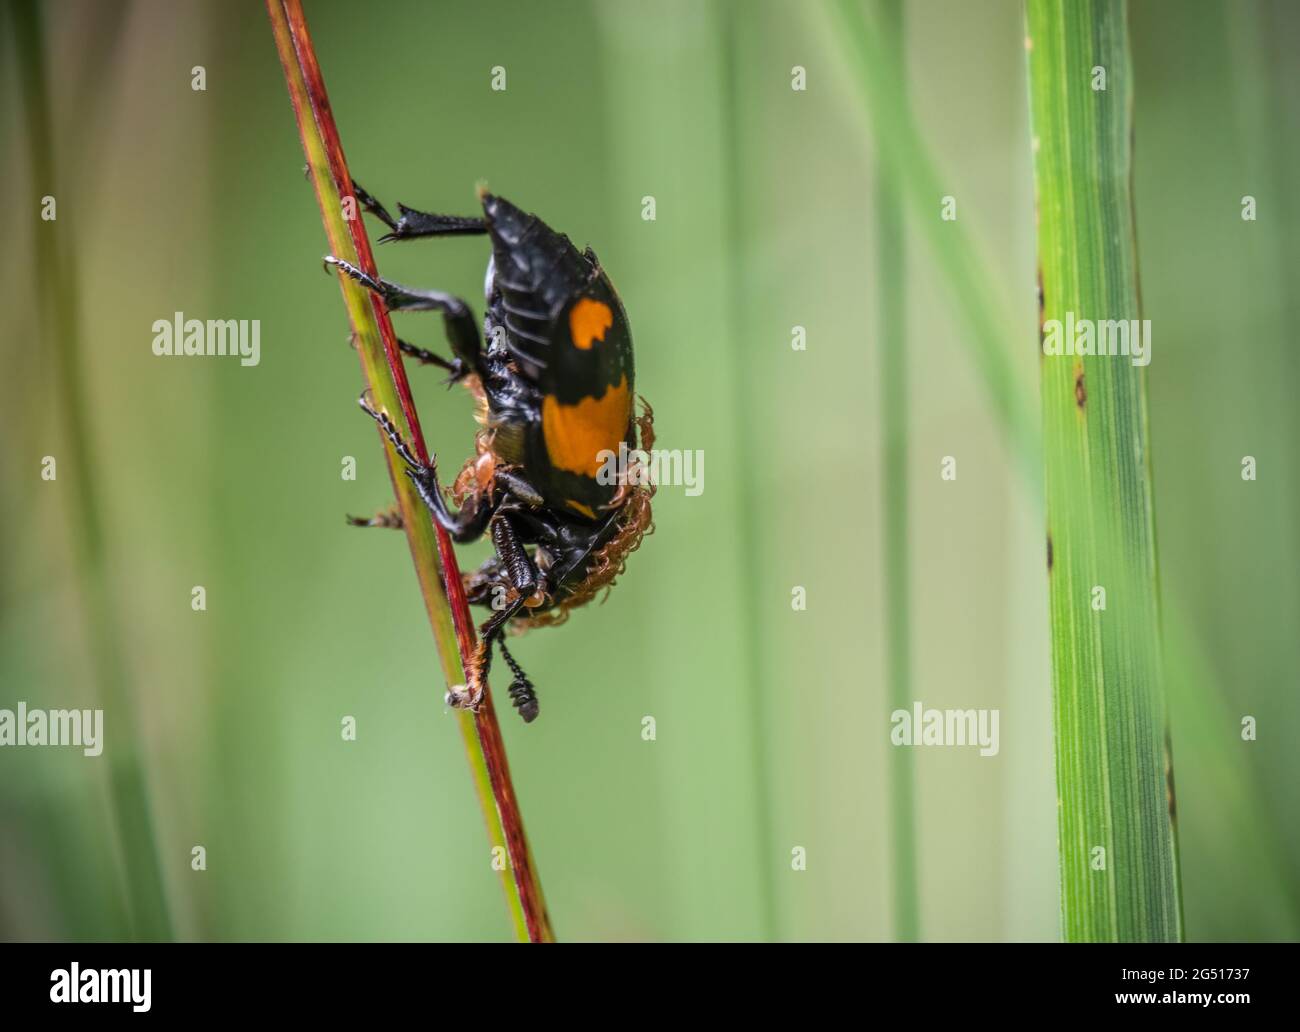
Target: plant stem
376 344
1119 857
892 298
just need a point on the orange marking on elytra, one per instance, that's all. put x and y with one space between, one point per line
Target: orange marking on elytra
577 434
588 321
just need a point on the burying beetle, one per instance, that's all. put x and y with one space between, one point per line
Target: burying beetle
554 388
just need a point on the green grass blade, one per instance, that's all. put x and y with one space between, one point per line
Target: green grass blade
1119 863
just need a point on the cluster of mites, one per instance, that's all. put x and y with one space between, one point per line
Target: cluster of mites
635 521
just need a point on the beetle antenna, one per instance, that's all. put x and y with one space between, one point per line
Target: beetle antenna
522 693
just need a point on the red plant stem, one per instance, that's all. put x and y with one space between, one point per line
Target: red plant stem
485 721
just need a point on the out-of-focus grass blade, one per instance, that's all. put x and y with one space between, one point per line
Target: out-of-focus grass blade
146 899
892 294
746 532
877 67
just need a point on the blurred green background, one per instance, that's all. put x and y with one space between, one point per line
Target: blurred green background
772 724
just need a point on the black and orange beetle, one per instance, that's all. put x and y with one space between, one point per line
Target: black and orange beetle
555 397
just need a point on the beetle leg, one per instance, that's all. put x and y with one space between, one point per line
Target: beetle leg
518 564
485 585
493 626
522 692
466 525
390 518
457 318
571 556
455 366
391 432
513 565
413 224
516 486
463 526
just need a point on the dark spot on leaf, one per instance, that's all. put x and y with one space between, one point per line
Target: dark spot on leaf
1049 553
1170 797
1080 393
1041 312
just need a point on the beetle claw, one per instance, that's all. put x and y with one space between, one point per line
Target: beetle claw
457 375
470 696
369 282
465 698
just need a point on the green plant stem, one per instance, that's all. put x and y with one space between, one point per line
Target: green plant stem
431 549
1119 858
